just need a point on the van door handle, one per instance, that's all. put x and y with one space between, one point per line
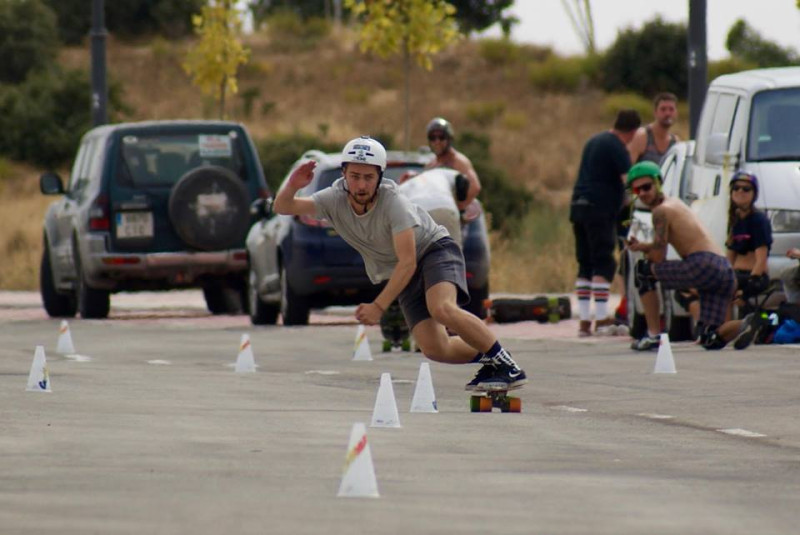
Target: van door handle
691 197
717 181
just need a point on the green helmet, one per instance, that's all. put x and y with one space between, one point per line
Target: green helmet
644 169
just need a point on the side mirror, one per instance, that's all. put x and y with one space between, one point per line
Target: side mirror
50 184
717 149
261 208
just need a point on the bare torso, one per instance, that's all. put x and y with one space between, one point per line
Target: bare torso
684 231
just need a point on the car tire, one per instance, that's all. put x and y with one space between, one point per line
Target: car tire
222 297
56 305
92 303
209 208
477 296
261 313
294 308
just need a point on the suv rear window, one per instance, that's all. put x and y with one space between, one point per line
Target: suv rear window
160 160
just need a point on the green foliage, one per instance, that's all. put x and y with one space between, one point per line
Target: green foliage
507 52
648 61
43 119
612 104
561 75
477 15
485 113
126 18
264 10
288 31
746 44
213 63
728 66
505 201
28 38
279 152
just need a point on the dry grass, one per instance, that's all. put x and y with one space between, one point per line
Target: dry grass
334 89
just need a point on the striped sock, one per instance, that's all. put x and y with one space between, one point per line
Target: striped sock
583 289
600 292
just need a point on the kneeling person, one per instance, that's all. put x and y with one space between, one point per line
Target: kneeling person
702 265
422 266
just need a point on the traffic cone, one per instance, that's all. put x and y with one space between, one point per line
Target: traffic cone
245 363
358 480
65 346
385 412
664 361
361 350
39 377
424 399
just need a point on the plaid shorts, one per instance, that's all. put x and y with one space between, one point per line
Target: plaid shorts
442 261
712 276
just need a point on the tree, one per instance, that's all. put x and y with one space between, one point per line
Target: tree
583 23
477 15
214 61
746 43
28 38
420 28
649 60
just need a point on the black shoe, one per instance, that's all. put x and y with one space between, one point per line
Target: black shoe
749 331
503 378
485 372
646 343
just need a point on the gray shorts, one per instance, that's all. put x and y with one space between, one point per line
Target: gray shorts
442 261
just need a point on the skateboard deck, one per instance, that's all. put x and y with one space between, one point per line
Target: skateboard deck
485 401
542 309
394 329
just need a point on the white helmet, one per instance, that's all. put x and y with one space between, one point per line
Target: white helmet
364 149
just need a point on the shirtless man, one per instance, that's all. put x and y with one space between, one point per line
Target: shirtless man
652 141
702 266
440 140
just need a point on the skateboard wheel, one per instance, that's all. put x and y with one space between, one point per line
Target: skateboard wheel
486 404
475 403
406 345
514 405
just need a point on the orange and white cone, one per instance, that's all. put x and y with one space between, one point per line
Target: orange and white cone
245 362
361 350
65 345
358 480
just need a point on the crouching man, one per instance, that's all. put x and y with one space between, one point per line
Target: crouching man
702 265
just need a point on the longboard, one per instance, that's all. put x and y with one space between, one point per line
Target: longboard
542 309
394 329
485 401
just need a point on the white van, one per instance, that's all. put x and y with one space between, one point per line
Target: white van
750 121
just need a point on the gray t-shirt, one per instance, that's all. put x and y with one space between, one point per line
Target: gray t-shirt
371 234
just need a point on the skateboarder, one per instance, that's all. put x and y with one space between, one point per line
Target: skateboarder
422 266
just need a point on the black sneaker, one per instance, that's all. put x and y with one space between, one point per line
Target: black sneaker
646 343
749 331
485 372
503 378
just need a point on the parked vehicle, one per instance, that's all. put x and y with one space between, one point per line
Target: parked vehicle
151 206
300 263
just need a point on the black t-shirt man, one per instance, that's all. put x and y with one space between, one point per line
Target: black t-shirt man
599 189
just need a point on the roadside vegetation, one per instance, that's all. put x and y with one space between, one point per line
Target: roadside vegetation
521 113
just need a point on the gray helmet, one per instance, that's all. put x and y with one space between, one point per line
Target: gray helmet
438 124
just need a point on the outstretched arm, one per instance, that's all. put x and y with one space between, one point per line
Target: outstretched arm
285 201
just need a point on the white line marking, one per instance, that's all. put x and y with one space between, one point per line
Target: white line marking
322 372
569 409
78 358
655 416
159 362
741 432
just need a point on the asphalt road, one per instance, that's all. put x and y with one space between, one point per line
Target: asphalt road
149 430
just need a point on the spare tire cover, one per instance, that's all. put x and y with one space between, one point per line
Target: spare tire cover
209 209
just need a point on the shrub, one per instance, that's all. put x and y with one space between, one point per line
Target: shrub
499 51
279 152
505 201
485 113
289 32
648 61
612 104
563 75
28 39
728 66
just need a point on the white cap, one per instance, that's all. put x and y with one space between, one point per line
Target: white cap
364 149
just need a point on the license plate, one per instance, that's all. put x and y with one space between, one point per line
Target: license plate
134 225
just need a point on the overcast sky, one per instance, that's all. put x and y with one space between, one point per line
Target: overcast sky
545 22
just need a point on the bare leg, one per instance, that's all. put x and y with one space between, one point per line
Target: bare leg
652 315
473 335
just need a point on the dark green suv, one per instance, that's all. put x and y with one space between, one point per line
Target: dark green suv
151 206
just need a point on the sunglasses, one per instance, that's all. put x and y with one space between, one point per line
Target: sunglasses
746 189
644 188
437 138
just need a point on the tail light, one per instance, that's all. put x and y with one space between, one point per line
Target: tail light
98 214
311 222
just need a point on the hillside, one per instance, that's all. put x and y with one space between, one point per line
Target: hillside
334 90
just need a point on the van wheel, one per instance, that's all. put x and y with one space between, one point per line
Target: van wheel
261 313
209 208
92 303
55 304
294 308
222 297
